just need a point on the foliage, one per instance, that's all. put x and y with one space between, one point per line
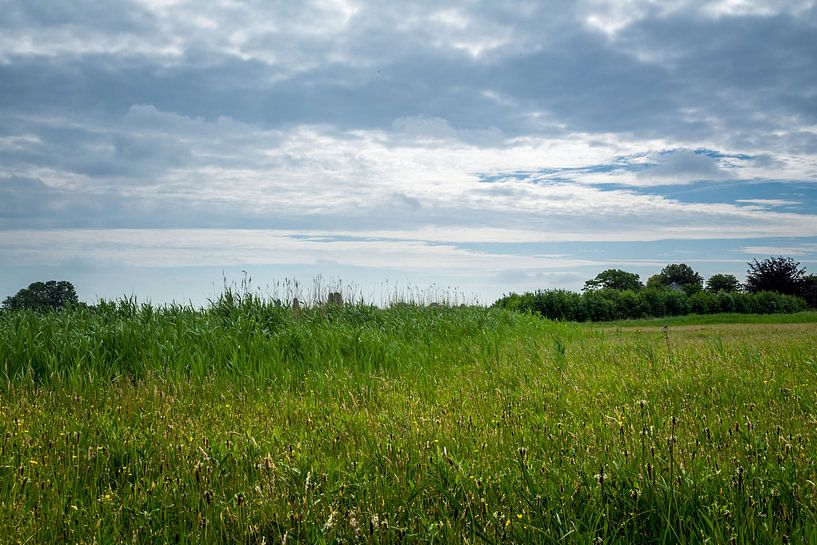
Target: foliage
683 275
614 279
810 290
656 281
780 274
723 282
248 422
604 305
43 296
704 302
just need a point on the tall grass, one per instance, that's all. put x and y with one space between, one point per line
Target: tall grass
249 422
238 336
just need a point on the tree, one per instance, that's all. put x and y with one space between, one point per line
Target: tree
780 274
722 282
656 281
43 296
681 274
810 290
614 279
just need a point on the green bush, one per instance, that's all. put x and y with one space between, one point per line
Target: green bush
596 307
725 301
606 305
704 302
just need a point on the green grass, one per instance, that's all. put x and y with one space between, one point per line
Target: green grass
248 423
808 317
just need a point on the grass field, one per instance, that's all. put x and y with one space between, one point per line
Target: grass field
248 423
718 319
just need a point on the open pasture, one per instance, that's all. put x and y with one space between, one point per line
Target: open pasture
248 423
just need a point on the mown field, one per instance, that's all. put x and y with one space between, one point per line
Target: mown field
248 423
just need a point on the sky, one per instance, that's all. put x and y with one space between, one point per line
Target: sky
164 148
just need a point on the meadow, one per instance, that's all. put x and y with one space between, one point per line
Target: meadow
248 422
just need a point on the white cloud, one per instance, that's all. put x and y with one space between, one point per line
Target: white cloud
424 180
293 37
683 166
755 8
611 17
765 203
798 250
238 247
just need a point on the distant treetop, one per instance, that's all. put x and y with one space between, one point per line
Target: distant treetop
780 274
723 282
43 296
680 274
614 279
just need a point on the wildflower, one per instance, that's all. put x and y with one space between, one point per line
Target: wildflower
330 522
354 526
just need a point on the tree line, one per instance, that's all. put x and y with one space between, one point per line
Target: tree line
776 284
773 285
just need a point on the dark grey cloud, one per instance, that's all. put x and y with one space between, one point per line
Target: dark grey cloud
97 150
679 75
583 83
27 203
684 166
79 15
125 115
742 74
22 198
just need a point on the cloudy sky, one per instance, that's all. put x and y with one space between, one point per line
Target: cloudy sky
154 147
